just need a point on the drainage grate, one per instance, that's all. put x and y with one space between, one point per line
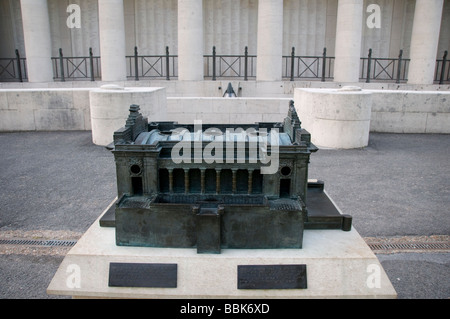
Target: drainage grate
409 246
33 242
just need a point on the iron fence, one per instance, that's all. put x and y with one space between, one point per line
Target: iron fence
76 68
442 73
13 69
384 69
320 67
308 67
230 66
152 66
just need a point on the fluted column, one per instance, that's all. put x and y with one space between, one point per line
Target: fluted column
425 41
270 40
190 40
37 38
112 40
348 40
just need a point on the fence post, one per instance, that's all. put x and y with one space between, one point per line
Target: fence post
61 64
369 64
91 64
246 64
19 68
444 62
167 64
292 63
324 63
136 64
214 63
399 67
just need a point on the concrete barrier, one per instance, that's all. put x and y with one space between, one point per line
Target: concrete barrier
110 104
66 105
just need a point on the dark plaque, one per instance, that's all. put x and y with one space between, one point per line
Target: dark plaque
142 275
272 277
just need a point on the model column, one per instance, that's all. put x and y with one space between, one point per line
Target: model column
38 44
190 40
270 40
424 41
112 40
348 40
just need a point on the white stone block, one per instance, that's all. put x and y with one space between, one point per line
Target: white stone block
335 118
109 109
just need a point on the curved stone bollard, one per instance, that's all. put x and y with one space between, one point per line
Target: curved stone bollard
110 105
336 118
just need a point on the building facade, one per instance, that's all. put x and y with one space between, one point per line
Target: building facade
190 28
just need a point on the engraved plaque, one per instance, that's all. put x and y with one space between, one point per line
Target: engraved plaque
142 275
272 277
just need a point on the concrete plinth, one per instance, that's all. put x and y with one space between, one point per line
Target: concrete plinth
338 265
336 118
110 104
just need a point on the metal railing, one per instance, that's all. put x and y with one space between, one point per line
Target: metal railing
308 67
230 66
216 66
384 69
76 68
442 73
13 69
152 66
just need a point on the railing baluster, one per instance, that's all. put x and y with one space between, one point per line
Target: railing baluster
399 67
19 68
292 63
246 64
324 63
167 64
369 63
444 62
214 63
61 64
136 64
91 64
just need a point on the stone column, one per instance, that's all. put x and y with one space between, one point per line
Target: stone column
348 40
270 40
190 40
37 38
112 40
424 41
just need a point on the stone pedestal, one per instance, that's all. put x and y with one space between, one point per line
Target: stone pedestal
336 118
333 264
